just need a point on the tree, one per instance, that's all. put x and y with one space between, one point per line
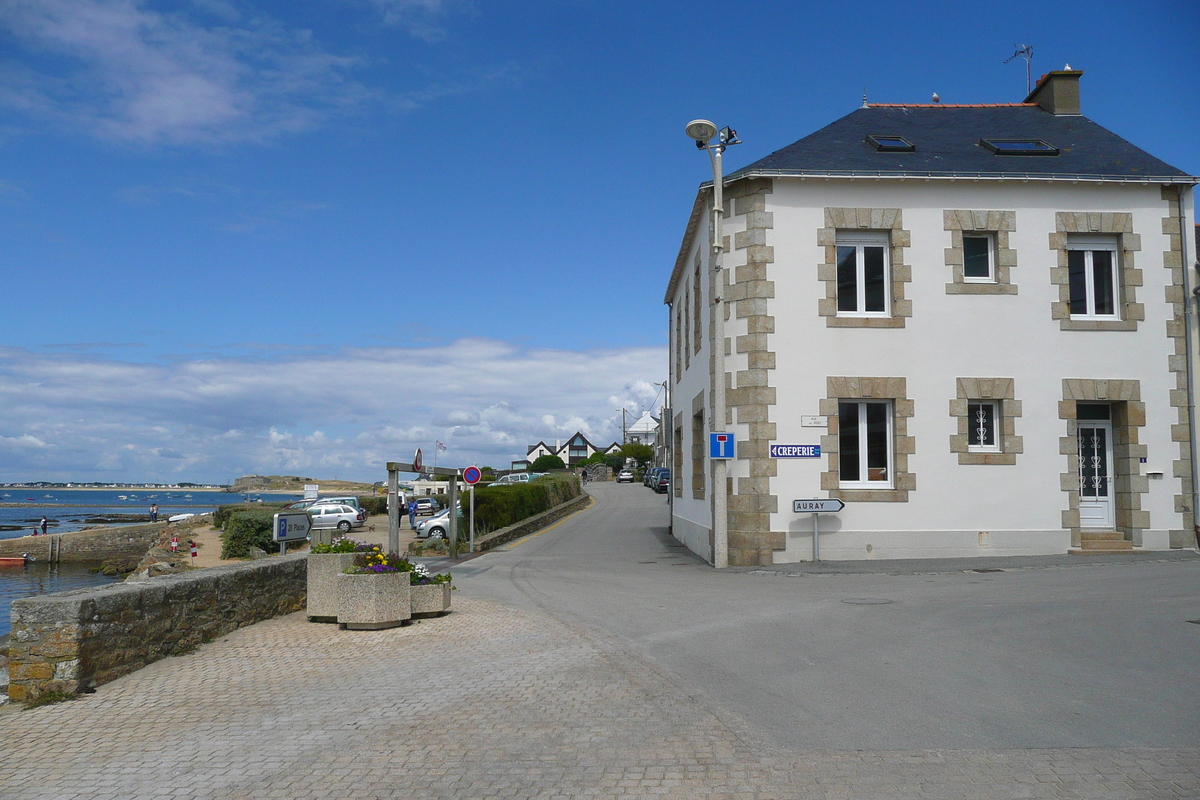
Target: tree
643 454
546 463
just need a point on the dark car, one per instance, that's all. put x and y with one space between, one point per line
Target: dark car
650 479
662 484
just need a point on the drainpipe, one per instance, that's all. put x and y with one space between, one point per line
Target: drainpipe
669 428
1189 296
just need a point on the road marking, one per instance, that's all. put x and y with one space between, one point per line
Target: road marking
591 502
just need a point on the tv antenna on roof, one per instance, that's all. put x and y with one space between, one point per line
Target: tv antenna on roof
1025 51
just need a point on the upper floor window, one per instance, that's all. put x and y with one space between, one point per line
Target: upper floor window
979 262
1092 271
863 274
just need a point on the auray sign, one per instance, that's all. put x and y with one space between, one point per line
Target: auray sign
816 507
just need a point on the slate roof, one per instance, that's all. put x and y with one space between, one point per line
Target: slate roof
947 144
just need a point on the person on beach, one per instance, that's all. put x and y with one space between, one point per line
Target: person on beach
154 512
45 523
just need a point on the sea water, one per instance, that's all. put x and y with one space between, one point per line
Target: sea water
41 578
69 510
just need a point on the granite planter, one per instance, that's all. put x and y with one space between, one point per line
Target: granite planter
430 600
372 601
323 571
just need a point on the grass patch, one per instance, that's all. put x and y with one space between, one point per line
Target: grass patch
50 698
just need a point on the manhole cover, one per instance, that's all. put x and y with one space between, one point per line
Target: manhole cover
867 601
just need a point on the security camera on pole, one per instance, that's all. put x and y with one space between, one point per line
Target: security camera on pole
703 131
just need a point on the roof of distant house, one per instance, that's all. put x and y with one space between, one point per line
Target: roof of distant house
948 140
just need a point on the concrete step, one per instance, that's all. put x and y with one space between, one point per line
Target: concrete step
1103 535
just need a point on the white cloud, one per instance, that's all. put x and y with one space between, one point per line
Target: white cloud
344 413
124 71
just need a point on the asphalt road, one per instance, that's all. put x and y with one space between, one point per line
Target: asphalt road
1052 653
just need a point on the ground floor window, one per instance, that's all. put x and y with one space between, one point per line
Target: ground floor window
981 430
864 443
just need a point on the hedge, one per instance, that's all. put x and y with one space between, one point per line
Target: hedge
223 513
247 529
497 507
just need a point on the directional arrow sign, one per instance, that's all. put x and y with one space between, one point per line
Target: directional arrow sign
817 506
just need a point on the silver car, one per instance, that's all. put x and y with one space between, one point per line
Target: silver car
438 526
328 516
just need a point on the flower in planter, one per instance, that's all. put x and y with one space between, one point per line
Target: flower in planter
375 561
344 544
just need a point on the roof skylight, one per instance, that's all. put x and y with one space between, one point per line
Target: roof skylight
891 144
1019 147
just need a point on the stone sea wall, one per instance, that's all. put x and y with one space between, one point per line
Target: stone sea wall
100 544
76 640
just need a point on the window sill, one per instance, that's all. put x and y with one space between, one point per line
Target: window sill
870 495
995 459
981 288
1086 324
864 322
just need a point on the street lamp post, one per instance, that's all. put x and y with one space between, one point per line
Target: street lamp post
703 131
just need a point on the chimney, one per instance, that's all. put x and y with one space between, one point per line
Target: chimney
1058 92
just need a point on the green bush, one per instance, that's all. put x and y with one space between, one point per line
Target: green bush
246 529
500 506
373 504
223 513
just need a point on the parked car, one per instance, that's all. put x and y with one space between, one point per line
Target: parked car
511 478
650 479
342 517
344 501
438 526
625 476
427 505
662 484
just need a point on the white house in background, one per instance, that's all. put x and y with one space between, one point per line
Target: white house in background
644 431
970 323
576 449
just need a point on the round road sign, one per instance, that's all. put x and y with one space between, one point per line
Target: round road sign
417 461
472 475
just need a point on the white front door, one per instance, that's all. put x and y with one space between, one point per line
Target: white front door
1095 474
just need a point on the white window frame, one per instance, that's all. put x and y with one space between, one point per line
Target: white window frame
991 257
1089 245
860 240
863 469
973 424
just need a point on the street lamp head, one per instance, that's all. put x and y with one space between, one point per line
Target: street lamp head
701 130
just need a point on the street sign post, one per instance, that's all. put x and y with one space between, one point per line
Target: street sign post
817 507
290 526
471 476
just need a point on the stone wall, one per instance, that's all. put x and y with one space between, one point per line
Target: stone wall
126 542
83 638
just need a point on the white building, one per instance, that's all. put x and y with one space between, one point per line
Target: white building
576 449
978 314
643 431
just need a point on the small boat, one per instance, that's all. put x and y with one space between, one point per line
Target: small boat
13 561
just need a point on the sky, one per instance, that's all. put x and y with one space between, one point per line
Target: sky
309 236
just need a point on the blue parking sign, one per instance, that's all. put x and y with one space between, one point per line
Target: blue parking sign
720 445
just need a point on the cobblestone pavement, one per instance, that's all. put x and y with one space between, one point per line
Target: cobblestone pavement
489 701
